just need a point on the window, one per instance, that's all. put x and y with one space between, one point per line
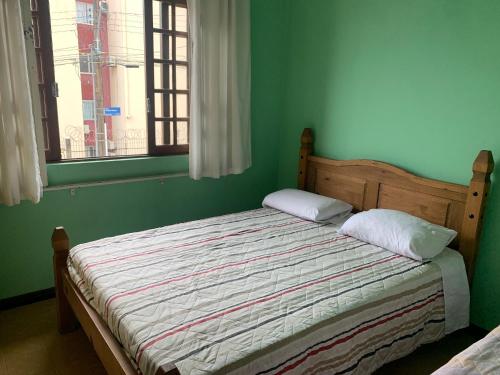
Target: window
90 152
88 110
84 13
121 68
85 65
167 76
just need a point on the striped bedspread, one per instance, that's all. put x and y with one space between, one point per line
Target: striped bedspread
258 292
483 357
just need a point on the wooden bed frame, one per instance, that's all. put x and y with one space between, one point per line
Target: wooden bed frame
370 184
365 184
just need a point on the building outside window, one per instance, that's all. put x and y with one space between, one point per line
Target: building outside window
116 95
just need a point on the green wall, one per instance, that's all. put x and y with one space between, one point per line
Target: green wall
25 230
411 82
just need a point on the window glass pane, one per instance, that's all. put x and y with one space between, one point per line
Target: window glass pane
181 19
40 66
164 133
46 139
43 102
181 48
85 66
161 104
157 76
156 14
116 125
157 40
182 133
168 54
84 12
169 17
159 71
170 76
182 77
36 31
182 105
88 109
170 41
90 152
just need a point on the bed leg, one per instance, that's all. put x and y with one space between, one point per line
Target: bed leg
66 320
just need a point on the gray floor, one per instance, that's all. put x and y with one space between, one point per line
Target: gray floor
30 344
430 357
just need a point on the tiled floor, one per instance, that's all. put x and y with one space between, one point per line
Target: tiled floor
30 344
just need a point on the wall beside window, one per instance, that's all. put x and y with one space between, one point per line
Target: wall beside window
25 230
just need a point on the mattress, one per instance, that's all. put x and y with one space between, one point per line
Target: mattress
262 292
483 357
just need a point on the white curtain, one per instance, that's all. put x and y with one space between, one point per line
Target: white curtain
20 169
219 141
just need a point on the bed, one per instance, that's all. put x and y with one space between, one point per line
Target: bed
266 292
483 357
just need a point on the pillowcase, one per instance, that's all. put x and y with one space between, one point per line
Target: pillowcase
399 232
306 205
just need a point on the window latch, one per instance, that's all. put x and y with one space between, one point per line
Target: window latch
148 105
55 90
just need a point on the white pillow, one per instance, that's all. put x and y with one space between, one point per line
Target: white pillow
399 232
306 205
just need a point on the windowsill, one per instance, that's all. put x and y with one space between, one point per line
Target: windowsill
104 158
81 171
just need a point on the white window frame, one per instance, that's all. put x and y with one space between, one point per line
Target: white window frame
85 59
88 107
84 13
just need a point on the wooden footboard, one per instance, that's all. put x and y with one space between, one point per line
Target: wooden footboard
72 308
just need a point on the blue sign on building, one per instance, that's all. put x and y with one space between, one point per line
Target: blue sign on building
112 111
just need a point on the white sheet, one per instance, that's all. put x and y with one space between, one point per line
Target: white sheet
456 289
483 357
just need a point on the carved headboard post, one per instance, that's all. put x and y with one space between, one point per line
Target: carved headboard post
306 146
474 208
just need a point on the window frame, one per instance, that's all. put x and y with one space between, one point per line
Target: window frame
48 86
87 19
88 107
42 39
84 61
165 63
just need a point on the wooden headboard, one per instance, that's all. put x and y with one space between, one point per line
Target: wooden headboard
370 184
